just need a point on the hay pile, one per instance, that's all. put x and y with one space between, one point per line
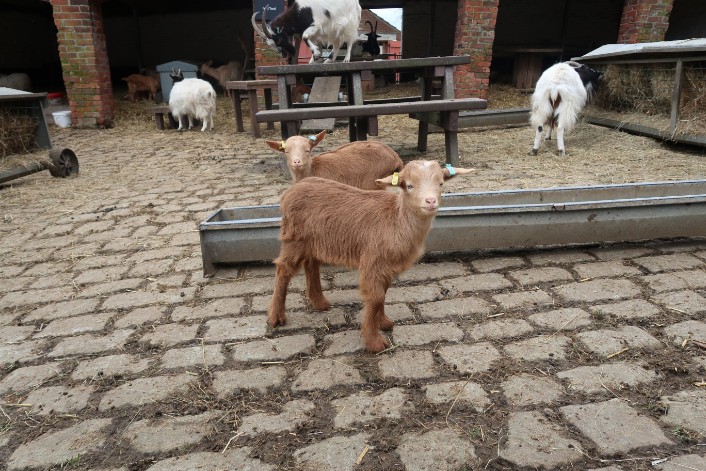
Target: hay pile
647 89
16 133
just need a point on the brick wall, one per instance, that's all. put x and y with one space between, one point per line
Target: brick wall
475 32
644 21
84 61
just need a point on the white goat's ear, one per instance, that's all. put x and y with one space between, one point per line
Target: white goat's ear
450 172
277 145
315 140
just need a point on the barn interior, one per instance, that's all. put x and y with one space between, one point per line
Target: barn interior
145 33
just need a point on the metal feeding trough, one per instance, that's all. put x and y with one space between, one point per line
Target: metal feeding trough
62 163
497 219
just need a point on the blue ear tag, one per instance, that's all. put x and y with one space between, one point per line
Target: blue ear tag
312 138
452 171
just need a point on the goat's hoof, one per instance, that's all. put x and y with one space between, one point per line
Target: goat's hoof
533 152
386 324
561 153
320 304
547 138
275 320
376 344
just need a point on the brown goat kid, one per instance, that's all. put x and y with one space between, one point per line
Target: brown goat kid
357 164
380 233
233 70
141 83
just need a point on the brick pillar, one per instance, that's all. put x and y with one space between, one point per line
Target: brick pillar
644 21
84 61
475 33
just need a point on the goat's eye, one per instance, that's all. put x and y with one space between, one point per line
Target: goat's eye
441 184
409 187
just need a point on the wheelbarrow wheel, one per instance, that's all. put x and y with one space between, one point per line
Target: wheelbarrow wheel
63 163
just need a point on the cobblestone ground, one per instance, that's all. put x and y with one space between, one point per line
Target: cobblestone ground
117 354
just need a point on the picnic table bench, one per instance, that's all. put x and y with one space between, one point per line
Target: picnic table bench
442 108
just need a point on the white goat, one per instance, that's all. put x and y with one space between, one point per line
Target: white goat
326 22
378 232
561 93
17 80
193 98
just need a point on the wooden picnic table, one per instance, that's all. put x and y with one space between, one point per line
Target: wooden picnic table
440 108
250 87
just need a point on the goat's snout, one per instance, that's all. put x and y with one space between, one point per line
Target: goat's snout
431 203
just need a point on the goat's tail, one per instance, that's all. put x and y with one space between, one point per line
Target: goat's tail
556 105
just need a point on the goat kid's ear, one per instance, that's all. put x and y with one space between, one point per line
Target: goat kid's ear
315 140
450 172
276 145
394 180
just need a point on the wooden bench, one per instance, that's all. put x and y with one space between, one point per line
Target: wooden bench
444 112
159 112
250 87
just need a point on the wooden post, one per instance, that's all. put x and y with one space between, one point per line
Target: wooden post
676 97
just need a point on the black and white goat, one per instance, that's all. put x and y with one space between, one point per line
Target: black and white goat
333 22
560 95
371 46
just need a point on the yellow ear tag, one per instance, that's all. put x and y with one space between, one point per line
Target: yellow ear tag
395 179
282 145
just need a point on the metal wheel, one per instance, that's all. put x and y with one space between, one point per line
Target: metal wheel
63 163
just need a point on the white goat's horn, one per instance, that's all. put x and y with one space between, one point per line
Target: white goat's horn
573 64
266 27
257 29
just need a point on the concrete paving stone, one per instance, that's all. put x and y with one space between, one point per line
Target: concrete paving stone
11 271
254 271
534 276
169 218
298 284
607 378
432 271
98 261
29 256
235 458
100 275
559 257
170 432
338 453
677 261
75 325
468 359
145 391
51 281
140 316
619 252
422 334
500 329
93 226
7 318
455 307
608 341
48 268
134 221
238 288
51 242
156 255
683 463
325 373
485 265
29 377
523 299
151 268
413 294
135 299
686 302
397 312
408 364
273 349
28 350
58 399
55 230
294 302
607 269
22 299
57 447
461 392
229 382
168 335
201 356
347 341
15 333
178 228
99 290
129 244
363 407
686 409
189 264
218 308
334 317
693 330
630 309
540 348
436 449
534 441
86 344
239 328
529 390
294 414
598 290
690 279
614 426
475 283
342 296
110 366
110 235
186 238
562 319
